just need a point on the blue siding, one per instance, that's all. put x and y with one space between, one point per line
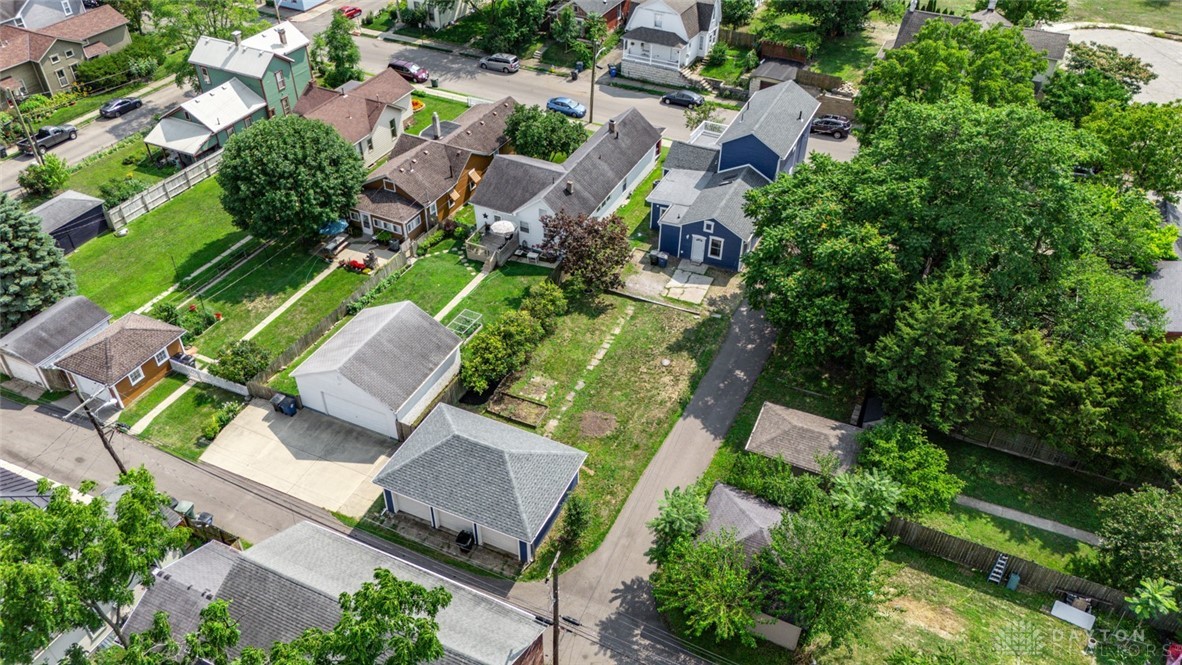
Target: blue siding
523 551
654 215
749 151
557 509
667 242
732 244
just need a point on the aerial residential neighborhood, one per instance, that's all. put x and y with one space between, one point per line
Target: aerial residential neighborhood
527 332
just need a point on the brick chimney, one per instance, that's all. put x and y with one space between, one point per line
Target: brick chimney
237 34
282 35
611 128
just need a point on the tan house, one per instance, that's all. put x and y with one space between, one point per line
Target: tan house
124 360
368 115
44 61
431 176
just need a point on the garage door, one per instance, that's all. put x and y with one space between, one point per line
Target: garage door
24 371
356 414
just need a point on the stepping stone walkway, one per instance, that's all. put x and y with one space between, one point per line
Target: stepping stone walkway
600 353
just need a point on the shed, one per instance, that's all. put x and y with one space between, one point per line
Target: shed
71 218
28 352
750 518
384 367
800 438
460 471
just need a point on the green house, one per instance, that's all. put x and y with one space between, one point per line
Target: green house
274 64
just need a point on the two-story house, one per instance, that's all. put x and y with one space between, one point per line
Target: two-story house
697 206
368 115
443 14
431 176
37 14
592 181
44 60
274 64
665 36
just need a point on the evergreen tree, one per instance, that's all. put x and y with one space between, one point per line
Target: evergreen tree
33 272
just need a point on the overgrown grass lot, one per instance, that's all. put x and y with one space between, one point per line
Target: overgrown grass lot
91 177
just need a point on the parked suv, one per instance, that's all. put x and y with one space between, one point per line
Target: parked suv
505 62
47 137
409 70
836 126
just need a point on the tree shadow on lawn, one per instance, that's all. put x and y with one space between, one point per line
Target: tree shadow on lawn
1077 557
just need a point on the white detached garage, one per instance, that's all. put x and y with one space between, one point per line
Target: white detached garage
384 367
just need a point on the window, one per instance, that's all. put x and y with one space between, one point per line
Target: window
54 59
61 77
67 8
523 226
715 251
246 122
645 49
369 144
280 81
394 124
432 211
708 227
136 376
286 106
657 20
354 216
161 357
204 75
23 89
414 223
69 53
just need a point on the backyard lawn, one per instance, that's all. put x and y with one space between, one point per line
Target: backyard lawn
629 402
446 108
501 291
730 69
89 178
1157 14
283 381
178 429
433 280
1042 547
151 399
248 294
122 274
635 212
306 312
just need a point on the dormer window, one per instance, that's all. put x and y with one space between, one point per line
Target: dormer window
67 8
657 20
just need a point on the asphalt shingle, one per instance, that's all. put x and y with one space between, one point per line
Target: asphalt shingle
799 438
121 347
51 330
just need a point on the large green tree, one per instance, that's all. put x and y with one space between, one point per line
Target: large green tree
538 133
902 452
341 54
707 584
133 11
1140 536
933 365
737 13
33 273
288 176
831 18
991 66
592 251
1026 12
512 25
682 514
1128 230
181 23
62 564
1072 95
1144 145
1130 70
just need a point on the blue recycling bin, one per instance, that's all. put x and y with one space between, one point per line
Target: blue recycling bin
611 71
579 66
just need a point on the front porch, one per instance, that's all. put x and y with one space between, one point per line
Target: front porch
655 55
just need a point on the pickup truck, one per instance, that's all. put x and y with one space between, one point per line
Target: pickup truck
47 137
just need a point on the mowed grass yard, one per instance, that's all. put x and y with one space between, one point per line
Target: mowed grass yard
172 241
446 108
91 177
1048 549
306 312
1164 15
151 399
635 212
629 402
178 428
501 291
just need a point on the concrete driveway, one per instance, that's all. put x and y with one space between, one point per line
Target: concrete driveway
1164 55
310 456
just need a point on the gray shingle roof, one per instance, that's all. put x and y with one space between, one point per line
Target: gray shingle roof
491 473
64 208
183 588
722 201
654 36
748 517
512 181
799 438
15 487
423 169
680 187
271 607
695 14
776 116
474 627
914 20
121 347
387 351
1053 45
691 157
481 129
53 329
777 70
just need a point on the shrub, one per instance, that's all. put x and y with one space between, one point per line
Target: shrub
241 361
138 60
682 514
118 190
499 349
903 452
449 227
34 103
195 322
166 312
717 56
44 179
546 302
225 413
774 481
575 519
428 241
417 17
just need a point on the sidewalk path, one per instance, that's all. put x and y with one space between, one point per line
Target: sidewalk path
143 423
1027 519
461 295
289 302
200 270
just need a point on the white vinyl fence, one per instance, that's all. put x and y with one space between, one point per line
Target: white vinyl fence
202 376
162 192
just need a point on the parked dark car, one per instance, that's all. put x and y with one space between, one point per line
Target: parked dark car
833 116
505 62
117 107
350 11
566 106
92 4
834 127
687 98
47 137
409 70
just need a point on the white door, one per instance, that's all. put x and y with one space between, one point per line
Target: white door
698 249
356 414
366 224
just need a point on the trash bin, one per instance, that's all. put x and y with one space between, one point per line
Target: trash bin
653 258
284 404
574 75
611 71
663 259
434 83
1012 584
579 66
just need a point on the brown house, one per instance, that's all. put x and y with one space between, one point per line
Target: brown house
431 176
44 61
614 12
368 115
801 439
124 360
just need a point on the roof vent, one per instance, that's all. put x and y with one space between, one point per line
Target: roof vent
611 128
801 116
570 186
282 36
237 38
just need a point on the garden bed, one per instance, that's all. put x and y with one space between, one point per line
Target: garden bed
521 410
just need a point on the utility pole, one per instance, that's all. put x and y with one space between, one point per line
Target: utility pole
25 126
596 32
98 427
553 577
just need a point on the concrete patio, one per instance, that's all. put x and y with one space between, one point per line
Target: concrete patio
442 540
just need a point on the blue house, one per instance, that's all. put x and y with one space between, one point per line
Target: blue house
697 206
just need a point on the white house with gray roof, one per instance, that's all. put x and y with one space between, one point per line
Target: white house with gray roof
593 181
29 351
384 367
460 471
664 36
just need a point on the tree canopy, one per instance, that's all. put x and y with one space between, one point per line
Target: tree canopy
992 66
288 176
682 514
1144 145
591 250
34 273
708 585
512 25
535 132
181 23
62 564
903 452
1130 70
1139 536
1027 12
831 18
341 53
1072 95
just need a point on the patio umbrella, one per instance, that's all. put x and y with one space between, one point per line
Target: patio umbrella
333 228
503 227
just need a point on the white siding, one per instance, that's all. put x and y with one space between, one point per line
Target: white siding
405 504
628 184
446 520
499 541
650 13
442 17
19 369
347 402
438 380
87 388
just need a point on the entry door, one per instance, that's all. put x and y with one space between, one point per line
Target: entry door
698 249
366 224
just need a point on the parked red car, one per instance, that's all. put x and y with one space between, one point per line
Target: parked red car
350 11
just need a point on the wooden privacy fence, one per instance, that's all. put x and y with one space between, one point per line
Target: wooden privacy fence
202 376
257 386
1024 445
819 80
1033 576
162 192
